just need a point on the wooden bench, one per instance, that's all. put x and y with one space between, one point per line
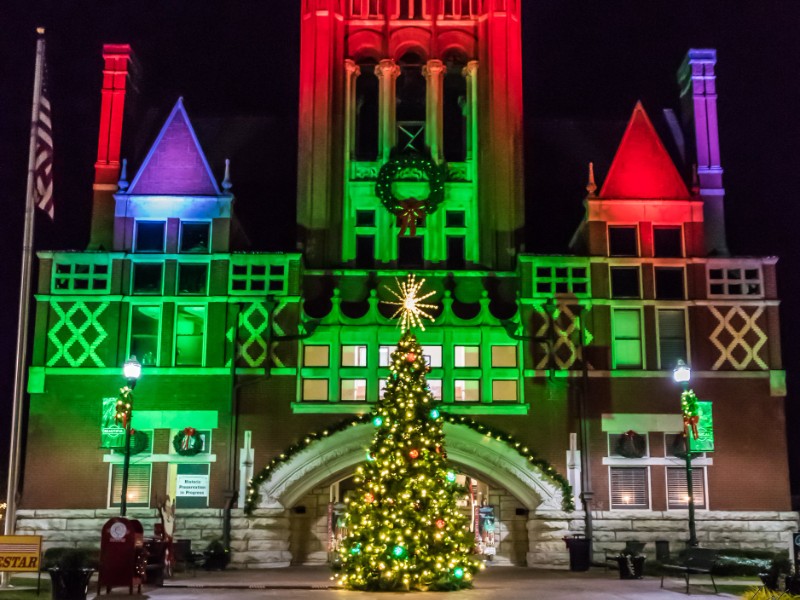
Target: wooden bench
698 561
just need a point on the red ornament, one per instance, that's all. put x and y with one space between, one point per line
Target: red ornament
369 497
440 523
414 454
411 357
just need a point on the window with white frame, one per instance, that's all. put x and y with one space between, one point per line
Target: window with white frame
385 355
504 356
138 492
628 445
432 356
627 347
315 390
150 236
736 281
623 240
504 390
195 237
354 390
671 337
677 490
147 278
436 388
354 356
144 333
625 282
316 356
630 488
467 390
192 278
467 356
190 328
81 277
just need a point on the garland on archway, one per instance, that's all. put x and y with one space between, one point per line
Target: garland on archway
545 467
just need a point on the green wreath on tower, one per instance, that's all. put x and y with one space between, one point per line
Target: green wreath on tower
187 442
411 166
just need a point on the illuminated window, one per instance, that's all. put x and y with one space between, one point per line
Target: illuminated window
738 281
504 356
677 491
254 278
433 356
671 337
667 242
195 237
316 356
144 333
354 390
385 355
622 241
627 327
504 390
86 278
190 326
354 356
315 390
138 485
467 390
149 236
625 282
147 278
436 388
467 356
669 283
629 488
192 278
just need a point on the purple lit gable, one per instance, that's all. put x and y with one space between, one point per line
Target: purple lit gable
175 164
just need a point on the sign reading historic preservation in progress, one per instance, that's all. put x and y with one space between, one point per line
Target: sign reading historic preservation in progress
705 429
192 486
20 553
111 434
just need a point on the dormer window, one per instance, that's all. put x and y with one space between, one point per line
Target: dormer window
195 237
622 241
667 242
150 236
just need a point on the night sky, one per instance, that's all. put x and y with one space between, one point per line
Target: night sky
236 62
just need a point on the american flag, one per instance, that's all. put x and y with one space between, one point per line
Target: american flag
43 169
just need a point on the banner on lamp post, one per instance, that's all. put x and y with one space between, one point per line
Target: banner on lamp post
112 435
705 429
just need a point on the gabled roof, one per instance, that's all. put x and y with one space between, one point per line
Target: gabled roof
176 164
642 168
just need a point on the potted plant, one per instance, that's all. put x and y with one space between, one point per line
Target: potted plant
217 556
631 565
70 570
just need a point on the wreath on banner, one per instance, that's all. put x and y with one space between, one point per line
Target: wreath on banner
411 210
187 442
631 445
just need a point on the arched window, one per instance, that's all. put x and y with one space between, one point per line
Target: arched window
454 120
412 9
411 104
367 112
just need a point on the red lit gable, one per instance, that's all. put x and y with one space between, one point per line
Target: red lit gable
642 168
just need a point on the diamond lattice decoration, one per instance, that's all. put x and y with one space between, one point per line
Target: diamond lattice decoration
731 334
77 333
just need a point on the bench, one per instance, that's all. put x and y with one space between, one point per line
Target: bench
698 561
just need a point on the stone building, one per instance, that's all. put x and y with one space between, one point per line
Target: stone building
555 371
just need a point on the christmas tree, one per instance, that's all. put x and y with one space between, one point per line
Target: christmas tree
405 529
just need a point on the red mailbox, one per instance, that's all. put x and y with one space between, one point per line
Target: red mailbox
121 555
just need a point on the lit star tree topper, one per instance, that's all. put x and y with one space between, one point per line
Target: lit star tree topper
411 308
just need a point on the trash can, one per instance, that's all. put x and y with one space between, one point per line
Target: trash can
630 567
579 547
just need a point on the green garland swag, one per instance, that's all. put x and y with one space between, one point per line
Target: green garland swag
187 442
691 412
412 209
545 467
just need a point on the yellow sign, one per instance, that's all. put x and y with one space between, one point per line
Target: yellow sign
20 553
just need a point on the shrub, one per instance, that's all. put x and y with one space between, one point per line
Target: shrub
71 558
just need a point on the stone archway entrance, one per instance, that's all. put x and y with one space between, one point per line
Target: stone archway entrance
523 495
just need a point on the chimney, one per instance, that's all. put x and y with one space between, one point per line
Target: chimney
106 170
699 102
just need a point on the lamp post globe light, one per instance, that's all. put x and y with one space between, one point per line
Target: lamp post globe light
132 370
682 374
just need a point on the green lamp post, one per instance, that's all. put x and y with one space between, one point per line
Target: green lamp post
132 370
682 373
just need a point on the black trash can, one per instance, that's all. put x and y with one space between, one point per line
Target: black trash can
579 547
630 567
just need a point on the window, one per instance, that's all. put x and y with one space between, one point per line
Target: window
316 356
410 251
629 488
627 339
256 278
433 356
467 356
70 277
456 251
145 326
625 282
195 237
622 445
190 325
675 446
504 390
467 390
365 251
669 283
192 278
667 242
622 241
455 218
677 490
147 278
138 485
149 236
354 356
354 390
671 337
385 355
315 390
436 388
504 356
738 281
552 280
365 218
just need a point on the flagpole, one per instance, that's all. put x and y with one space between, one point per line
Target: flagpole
24 303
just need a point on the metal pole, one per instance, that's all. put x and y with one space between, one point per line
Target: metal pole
687 436
123 507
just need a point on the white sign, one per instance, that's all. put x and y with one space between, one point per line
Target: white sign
192 486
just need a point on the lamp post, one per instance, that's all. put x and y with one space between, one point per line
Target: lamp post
682 373
132 370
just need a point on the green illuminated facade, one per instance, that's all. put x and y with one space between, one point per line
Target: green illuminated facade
267 354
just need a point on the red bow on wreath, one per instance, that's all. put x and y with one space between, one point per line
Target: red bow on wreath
413 210
188 434
691 422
